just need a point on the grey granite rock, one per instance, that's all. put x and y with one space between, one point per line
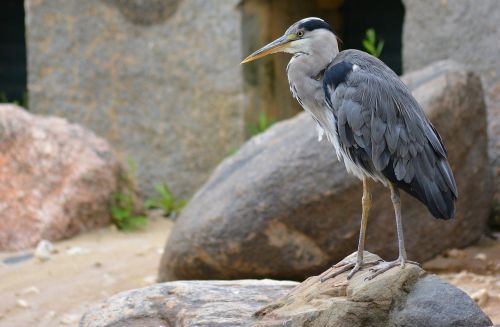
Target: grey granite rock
187 303
284 207
467 32
398 297
159 79
434 302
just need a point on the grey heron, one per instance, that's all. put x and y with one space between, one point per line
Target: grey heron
376 126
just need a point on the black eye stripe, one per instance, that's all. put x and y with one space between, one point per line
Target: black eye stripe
314 24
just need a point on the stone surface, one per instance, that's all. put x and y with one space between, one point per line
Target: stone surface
55 179
283 207
466 31
399 297
160 80
187 303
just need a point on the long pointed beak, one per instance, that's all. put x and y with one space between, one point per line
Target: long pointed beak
273 47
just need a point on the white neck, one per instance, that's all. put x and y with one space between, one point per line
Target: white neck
311 57
313 53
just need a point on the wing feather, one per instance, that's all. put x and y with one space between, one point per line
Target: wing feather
382 128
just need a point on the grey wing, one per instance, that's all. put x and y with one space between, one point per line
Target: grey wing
382 128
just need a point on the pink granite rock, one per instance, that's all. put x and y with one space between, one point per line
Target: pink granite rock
55 178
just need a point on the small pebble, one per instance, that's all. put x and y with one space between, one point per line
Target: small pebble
22 303
44 250
69 319
456 253
480 256
76 250
30 290
481 297
149 279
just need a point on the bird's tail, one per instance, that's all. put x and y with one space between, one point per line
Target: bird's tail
439 193
436 188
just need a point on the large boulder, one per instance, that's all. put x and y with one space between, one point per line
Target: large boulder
159 72
467 32
399 297
284 207
56 178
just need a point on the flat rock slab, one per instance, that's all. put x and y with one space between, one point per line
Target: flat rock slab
283 207
188 303
399 297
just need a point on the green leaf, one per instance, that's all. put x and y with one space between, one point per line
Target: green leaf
370 35
165 200
123 212
380 46
369 47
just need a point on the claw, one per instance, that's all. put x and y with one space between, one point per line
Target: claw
384 266
342 264
354 270
335 273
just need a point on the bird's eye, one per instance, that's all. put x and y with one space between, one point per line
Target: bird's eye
300 33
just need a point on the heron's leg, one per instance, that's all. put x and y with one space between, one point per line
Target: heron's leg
356 265
401 260
366 202
396 202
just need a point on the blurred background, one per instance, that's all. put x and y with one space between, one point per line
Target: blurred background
115 113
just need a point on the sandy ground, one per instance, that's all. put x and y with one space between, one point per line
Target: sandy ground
91 267
476 270
85 270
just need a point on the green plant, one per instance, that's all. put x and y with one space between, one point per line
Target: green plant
165 201
371 44
263 123
124 214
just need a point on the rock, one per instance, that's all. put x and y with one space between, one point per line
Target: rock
77 250
481 296
23 304
283 207
468 33
69 319
30 290
187 303
481 256
159 79
399 297
44 250
55 179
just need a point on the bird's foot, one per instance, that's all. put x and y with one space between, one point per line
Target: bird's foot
384 266
353 264
334 272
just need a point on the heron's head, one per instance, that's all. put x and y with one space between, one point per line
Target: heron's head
306 36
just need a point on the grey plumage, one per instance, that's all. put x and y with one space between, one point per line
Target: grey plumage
377 127
382 128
